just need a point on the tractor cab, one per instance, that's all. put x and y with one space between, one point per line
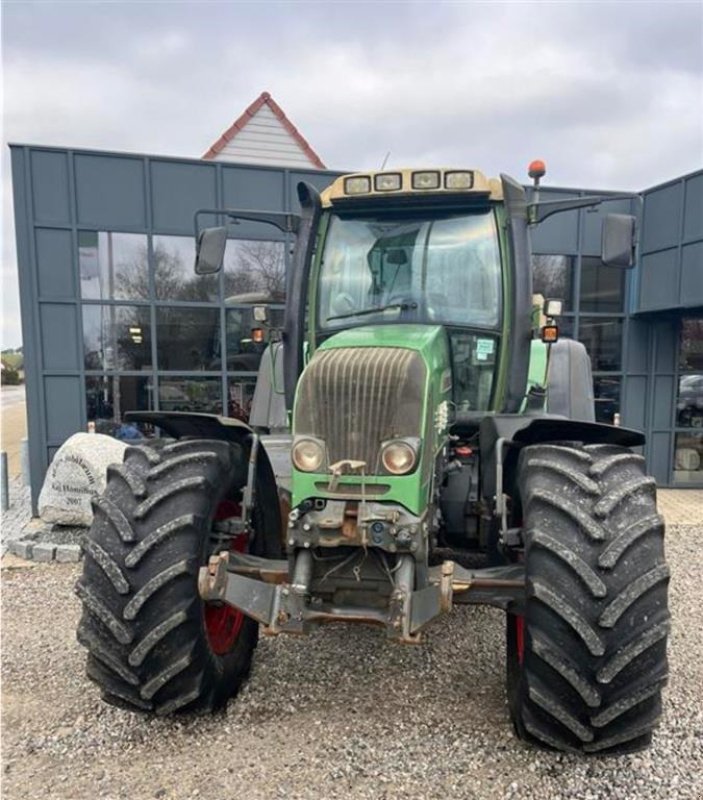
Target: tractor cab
440 266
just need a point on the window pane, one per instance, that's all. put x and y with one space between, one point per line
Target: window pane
174 275
108 397
603 340
252 266
602 288
117 337
243 355
689 405
188 338
202 395
606 391
552 278
691 352
113 266
240 392
688 458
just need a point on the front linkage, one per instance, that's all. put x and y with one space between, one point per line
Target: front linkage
261 589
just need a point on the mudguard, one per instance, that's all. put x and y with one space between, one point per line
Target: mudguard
519 430
185 423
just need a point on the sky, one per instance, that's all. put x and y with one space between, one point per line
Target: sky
609 95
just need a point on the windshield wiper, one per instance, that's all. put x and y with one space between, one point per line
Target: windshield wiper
377 310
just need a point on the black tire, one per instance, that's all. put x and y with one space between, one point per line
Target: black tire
593 661
143 621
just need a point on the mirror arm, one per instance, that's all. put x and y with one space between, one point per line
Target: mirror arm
538 212
285 222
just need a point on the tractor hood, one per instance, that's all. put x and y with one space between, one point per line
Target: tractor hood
368 386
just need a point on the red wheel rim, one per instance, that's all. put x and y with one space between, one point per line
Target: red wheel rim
222 622
520 638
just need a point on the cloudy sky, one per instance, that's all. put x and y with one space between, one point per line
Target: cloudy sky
610 95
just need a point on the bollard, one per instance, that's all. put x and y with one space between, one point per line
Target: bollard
24 460
4 486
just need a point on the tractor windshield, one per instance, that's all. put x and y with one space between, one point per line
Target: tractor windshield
437 269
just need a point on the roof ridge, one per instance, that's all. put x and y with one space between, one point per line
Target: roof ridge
264 99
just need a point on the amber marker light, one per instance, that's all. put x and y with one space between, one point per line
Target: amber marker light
550 334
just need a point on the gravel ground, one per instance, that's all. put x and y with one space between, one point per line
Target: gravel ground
340 714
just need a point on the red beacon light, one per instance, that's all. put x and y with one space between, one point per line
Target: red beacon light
537 170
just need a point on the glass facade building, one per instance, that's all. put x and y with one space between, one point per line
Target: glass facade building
114 318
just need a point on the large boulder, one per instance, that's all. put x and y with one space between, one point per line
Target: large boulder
77 473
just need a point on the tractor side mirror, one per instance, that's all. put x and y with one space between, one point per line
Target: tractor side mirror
618 241
210 251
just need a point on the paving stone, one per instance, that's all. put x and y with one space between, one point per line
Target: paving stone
43 552
21 549
68 552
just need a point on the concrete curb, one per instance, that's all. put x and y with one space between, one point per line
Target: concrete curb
35 543
45 552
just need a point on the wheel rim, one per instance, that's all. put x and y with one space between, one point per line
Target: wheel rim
222 622
520 638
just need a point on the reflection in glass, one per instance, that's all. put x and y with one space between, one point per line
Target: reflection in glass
240 392
688 458
602 288
108 397
691 350
202 395
174 276
689 403
116 337
429 269
188 338
603 340
253 266
113 266
606 391
244 355
552 276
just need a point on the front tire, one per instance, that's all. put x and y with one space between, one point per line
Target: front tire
153 644
587 662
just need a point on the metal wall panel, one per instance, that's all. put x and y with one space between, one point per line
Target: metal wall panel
692 274
178 191
59 342
253 189
64 412
659 280
558 234
110 192
55 263
50 193
693 209
662 215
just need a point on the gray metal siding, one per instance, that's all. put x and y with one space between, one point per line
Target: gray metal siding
671 252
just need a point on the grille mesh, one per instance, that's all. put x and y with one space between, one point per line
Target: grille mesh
354 398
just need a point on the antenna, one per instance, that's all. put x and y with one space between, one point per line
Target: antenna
385 160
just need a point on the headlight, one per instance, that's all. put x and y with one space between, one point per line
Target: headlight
398 457
359 184
425 180
307 455
387 182
458 180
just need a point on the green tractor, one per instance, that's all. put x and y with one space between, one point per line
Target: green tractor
443 450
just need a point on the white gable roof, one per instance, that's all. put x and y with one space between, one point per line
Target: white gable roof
264 135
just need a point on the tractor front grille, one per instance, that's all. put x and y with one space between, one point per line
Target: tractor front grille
354 398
